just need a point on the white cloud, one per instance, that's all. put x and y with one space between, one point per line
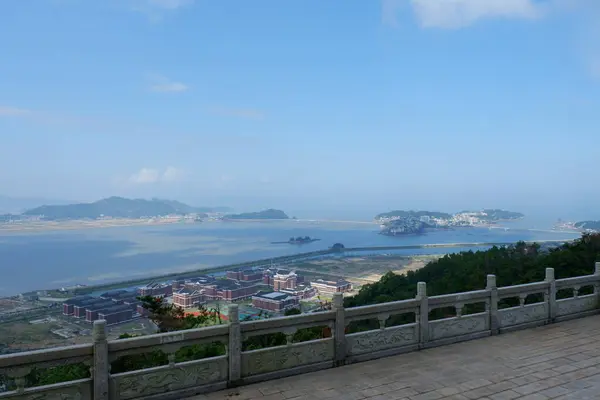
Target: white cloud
246 113
172 174
6 111
451 14
159 83
459 13
153 175
170 4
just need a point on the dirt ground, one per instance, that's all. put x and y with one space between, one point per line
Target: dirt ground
366 269
24 335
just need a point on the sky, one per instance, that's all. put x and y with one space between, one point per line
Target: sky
308 105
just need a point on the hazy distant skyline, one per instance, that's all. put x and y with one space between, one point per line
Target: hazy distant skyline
365 105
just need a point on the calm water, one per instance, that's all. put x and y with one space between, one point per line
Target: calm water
92 256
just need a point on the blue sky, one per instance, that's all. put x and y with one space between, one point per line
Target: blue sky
361 105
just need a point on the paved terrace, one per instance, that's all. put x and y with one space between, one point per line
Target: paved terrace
559 361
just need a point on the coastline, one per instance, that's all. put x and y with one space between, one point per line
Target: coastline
48 226
286 260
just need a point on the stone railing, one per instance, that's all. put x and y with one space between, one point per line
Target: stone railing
395 327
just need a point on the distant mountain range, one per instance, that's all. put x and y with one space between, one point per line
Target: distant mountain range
119 207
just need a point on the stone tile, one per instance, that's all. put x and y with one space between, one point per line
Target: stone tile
427 396
448 391
551 362
506 395
555 391
534 396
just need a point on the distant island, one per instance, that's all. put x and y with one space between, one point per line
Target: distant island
118 207
588 226
396 223
298 240
271 213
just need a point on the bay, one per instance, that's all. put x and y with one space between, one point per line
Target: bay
54 259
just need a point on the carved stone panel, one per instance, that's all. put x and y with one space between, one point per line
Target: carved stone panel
81 391
457 326
381 339
521 315
576 305
137 384
257 362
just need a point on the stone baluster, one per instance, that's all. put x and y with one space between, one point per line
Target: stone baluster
551 294
423 313
459 309
20 377
101 365
597 283
522 298
289 336
235 346
493 304
382 318
339 334
576 291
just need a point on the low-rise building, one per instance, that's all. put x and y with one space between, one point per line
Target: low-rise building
116 314
188 298
302 291
245 274
91 311
156 290
274 301
284 279
327 286
69 305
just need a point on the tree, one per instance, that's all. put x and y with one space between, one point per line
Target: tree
170 317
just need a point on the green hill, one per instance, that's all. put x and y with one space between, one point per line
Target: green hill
271 213
116 207
461 272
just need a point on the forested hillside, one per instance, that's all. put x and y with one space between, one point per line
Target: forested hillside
512 265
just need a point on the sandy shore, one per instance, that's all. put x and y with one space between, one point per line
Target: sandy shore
82 224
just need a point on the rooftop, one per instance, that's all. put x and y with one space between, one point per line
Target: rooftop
558 361
77 300
272 295
114 309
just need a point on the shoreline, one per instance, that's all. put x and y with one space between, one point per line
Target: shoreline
50 226
283 260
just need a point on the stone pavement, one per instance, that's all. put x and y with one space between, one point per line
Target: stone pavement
558 361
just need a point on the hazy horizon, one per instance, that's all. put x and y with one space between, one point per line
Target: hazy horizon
338 109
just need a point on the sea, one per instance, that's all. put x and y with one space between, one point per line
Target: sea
91 256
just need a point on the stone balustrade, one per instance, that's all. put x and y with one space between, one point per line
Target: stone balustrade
397 327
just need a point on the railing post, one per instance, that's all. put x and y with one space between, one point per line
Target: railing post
551 294
423 313
235 346
597 283
493 307
339 333
100 369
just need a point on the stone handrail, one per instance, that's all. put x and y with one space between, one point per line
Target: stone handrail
534 304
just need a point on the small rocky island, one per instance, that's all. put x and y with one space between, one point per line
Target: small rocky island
399 223
298 240
271 213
